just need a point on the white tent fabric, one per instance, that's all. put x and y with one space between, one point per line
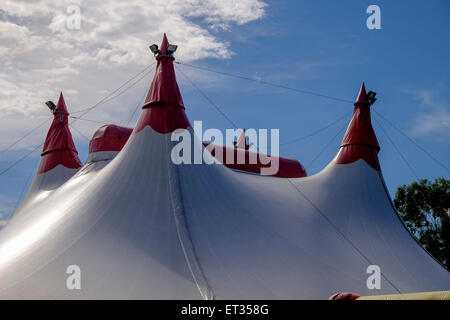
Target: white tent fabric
44 184
143 227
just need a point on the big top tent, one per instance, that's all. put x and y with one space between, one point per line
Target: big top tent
140 226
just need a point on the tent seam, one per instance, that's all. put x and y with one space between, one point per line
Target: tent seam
182 225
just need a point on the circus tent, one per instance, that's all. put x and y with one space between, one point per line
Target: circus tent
140 226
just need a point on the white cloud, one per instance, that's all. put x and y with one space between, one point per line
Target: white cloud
39 55
435 118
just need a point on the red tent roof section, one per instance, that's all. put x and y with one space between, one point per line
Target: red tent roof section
109 138
59 147
288 168
163 107
360 141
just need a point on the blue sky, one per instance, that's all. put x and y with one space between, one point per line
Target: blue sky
321 46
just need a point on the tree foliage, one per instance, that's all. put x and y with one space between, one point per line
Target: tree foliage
424 206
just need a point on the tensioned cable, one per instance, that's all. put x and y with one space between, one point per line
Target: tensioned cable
235 126
85 111
140 103
107 97
326 146
339 231
317 131
315 94
79 132
110 97
412 170
397 149
208 99
129 87
25 156
266 83
79 118
22 193
17 161
412 141
117 95
88 120
26 135
29 153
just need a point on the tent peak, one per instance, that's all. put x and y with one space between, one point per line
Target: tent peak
163 107
164 88
360 141
59 147
164 44
365 97
61 105
166 49
362 95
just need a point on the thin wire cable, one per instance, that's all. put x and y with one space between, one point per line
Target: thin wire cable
88 120
267 83
208 99
325 147
129 87
79 132
107 97
84 112
141 101
413 142
27 181
26 135
26 155
20 159
317 131
339 231
397 149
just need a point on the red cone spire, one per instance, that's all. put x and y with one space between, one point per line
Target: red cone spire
163 107
362 95
61 106
241 141
59 147
360 141
164 44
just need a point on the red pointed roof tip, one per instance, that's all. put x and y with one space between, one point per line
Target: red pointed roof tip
164 88
241 141
59 147
164 43
360 141
163 107
61 105
362 95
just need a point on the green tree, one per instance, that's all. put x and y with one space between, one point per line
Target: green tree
424 206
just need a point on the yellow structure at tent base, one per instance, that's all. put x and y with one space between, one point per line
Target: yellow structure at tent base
434 295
